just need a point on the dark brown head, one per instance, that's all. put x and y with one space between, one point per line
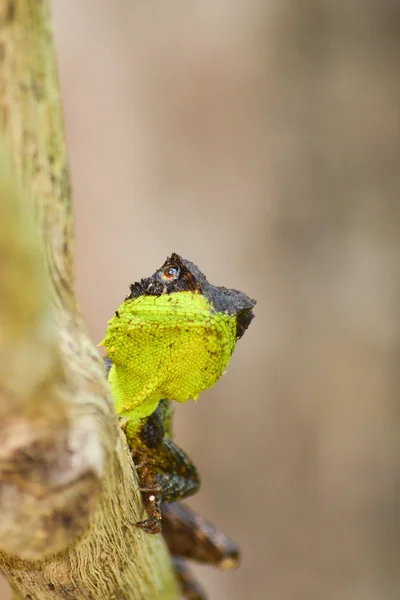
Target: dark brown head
180 275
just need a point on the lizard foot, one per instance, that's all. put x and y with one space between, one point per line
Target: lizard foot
151 525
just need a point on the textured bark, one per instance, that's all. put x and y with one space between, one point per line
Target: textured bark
69 498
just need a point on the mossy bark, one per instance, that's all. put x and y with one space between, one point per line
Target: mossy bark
69 497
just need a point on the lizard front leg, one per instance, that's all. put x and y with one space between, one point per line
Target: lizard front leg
170 476
150 494
166 473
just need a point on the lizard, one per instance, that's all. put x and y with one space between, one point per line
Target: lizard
172 338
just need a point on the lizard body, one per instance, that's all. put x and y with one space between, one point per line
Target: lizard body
170 339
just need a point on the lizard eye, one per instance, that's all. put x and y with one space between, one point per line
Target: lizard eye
170 273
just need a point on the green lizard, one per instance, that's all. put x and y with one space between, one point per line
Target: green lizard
170 339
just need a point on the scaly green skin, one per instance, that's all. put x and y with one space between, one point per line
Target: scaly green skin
171 346
172 338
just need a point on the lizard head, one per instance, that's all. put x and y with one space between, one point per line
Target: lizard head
180 275
173 336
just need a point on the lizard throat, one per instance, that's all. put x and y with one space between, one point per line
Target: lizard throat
171 346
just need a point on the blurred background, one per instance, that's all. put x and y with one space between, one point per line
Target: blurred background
261 141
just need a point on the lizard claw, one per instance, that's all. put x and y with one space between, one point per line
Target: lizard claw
151 525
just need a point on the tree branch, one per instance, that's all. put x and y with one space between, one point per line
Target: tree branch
69 498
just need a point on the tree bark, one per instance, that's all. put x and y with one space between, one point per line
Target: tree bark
69 498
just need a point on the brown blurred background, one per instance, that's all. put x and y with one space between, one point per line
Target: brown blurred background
261 141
